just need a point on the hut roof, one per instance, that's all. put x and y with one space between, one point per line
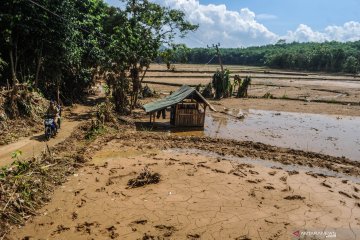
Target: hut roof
175 98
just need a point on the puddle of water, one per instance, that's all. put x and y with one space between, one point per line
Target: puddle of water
332 135
264 163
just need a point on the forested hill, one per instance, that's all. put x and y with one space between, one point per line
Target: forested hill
328 57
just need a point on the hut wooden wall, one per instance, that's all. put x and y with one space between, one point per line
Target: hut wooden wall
189 118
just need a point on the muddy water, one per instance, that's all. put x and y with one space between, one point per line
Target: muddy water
264 163
333 135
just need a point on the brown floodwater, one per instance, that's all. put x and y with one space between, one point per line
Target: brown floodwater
327 134
264 163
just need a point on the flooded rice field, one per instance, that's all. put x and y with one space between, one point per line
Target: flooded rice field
264 163
327 134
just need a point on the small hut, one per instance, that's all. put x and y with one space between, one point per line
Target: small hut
187 108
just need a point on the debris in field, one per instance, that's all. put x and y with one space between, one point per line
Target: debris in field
218 171
144 178
325 185
294 172
193 236
168 230
294 197
142 222
253 172
345 194
112 233
252 193
283 178
272 173
316 175
60 229
86 227
254 181
148 237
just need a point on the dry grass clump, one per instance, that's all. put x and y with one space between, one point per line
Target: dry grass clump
145 177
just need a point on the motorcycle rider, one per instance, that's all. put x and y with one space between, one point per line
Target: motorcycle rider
54 112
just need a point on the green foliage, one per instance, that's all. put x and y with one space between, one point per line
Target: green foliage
208 91
243 86
96 129
58 46
284 96
16 154
221 84
137 33
328 56
178 52
17 168
351 65
268 95
53 46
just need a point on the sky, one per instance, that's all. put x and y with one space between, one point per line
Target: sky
243 23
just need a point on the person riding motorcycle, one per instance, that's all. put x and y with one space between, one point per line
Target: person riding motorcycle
53 110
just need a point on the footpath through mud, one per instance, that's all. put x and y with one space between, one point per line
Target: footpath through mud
35 144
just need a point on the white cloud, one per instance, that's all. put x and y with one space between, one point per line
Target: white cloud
218 24
241 28
304 33
350 31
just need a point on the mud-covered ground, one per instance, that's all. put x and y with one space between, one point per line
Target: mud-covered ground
273 83
323 121
213 186
228 194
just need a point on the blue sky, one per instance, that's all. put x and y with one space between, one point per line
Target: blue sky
317 14
242 23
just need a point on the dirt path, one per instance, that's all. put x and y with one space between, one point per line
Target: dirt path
35 144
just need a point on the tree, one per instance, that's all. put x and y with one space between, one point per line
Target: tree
351 65
51 44
178 52
137 33
328 56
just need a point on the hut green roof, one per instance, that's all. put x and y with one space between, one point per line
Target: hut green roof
175 98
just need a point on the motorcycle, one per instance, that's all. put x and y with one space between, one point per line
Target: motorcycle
50 127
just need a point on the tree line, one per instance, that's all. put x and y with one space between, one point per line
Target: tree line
57 47
326 57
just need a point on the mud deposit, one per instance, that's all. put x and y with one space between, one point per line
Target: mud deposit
198 197
327 134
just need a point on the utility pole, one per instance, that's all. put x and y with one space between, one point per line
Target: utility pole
216 46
